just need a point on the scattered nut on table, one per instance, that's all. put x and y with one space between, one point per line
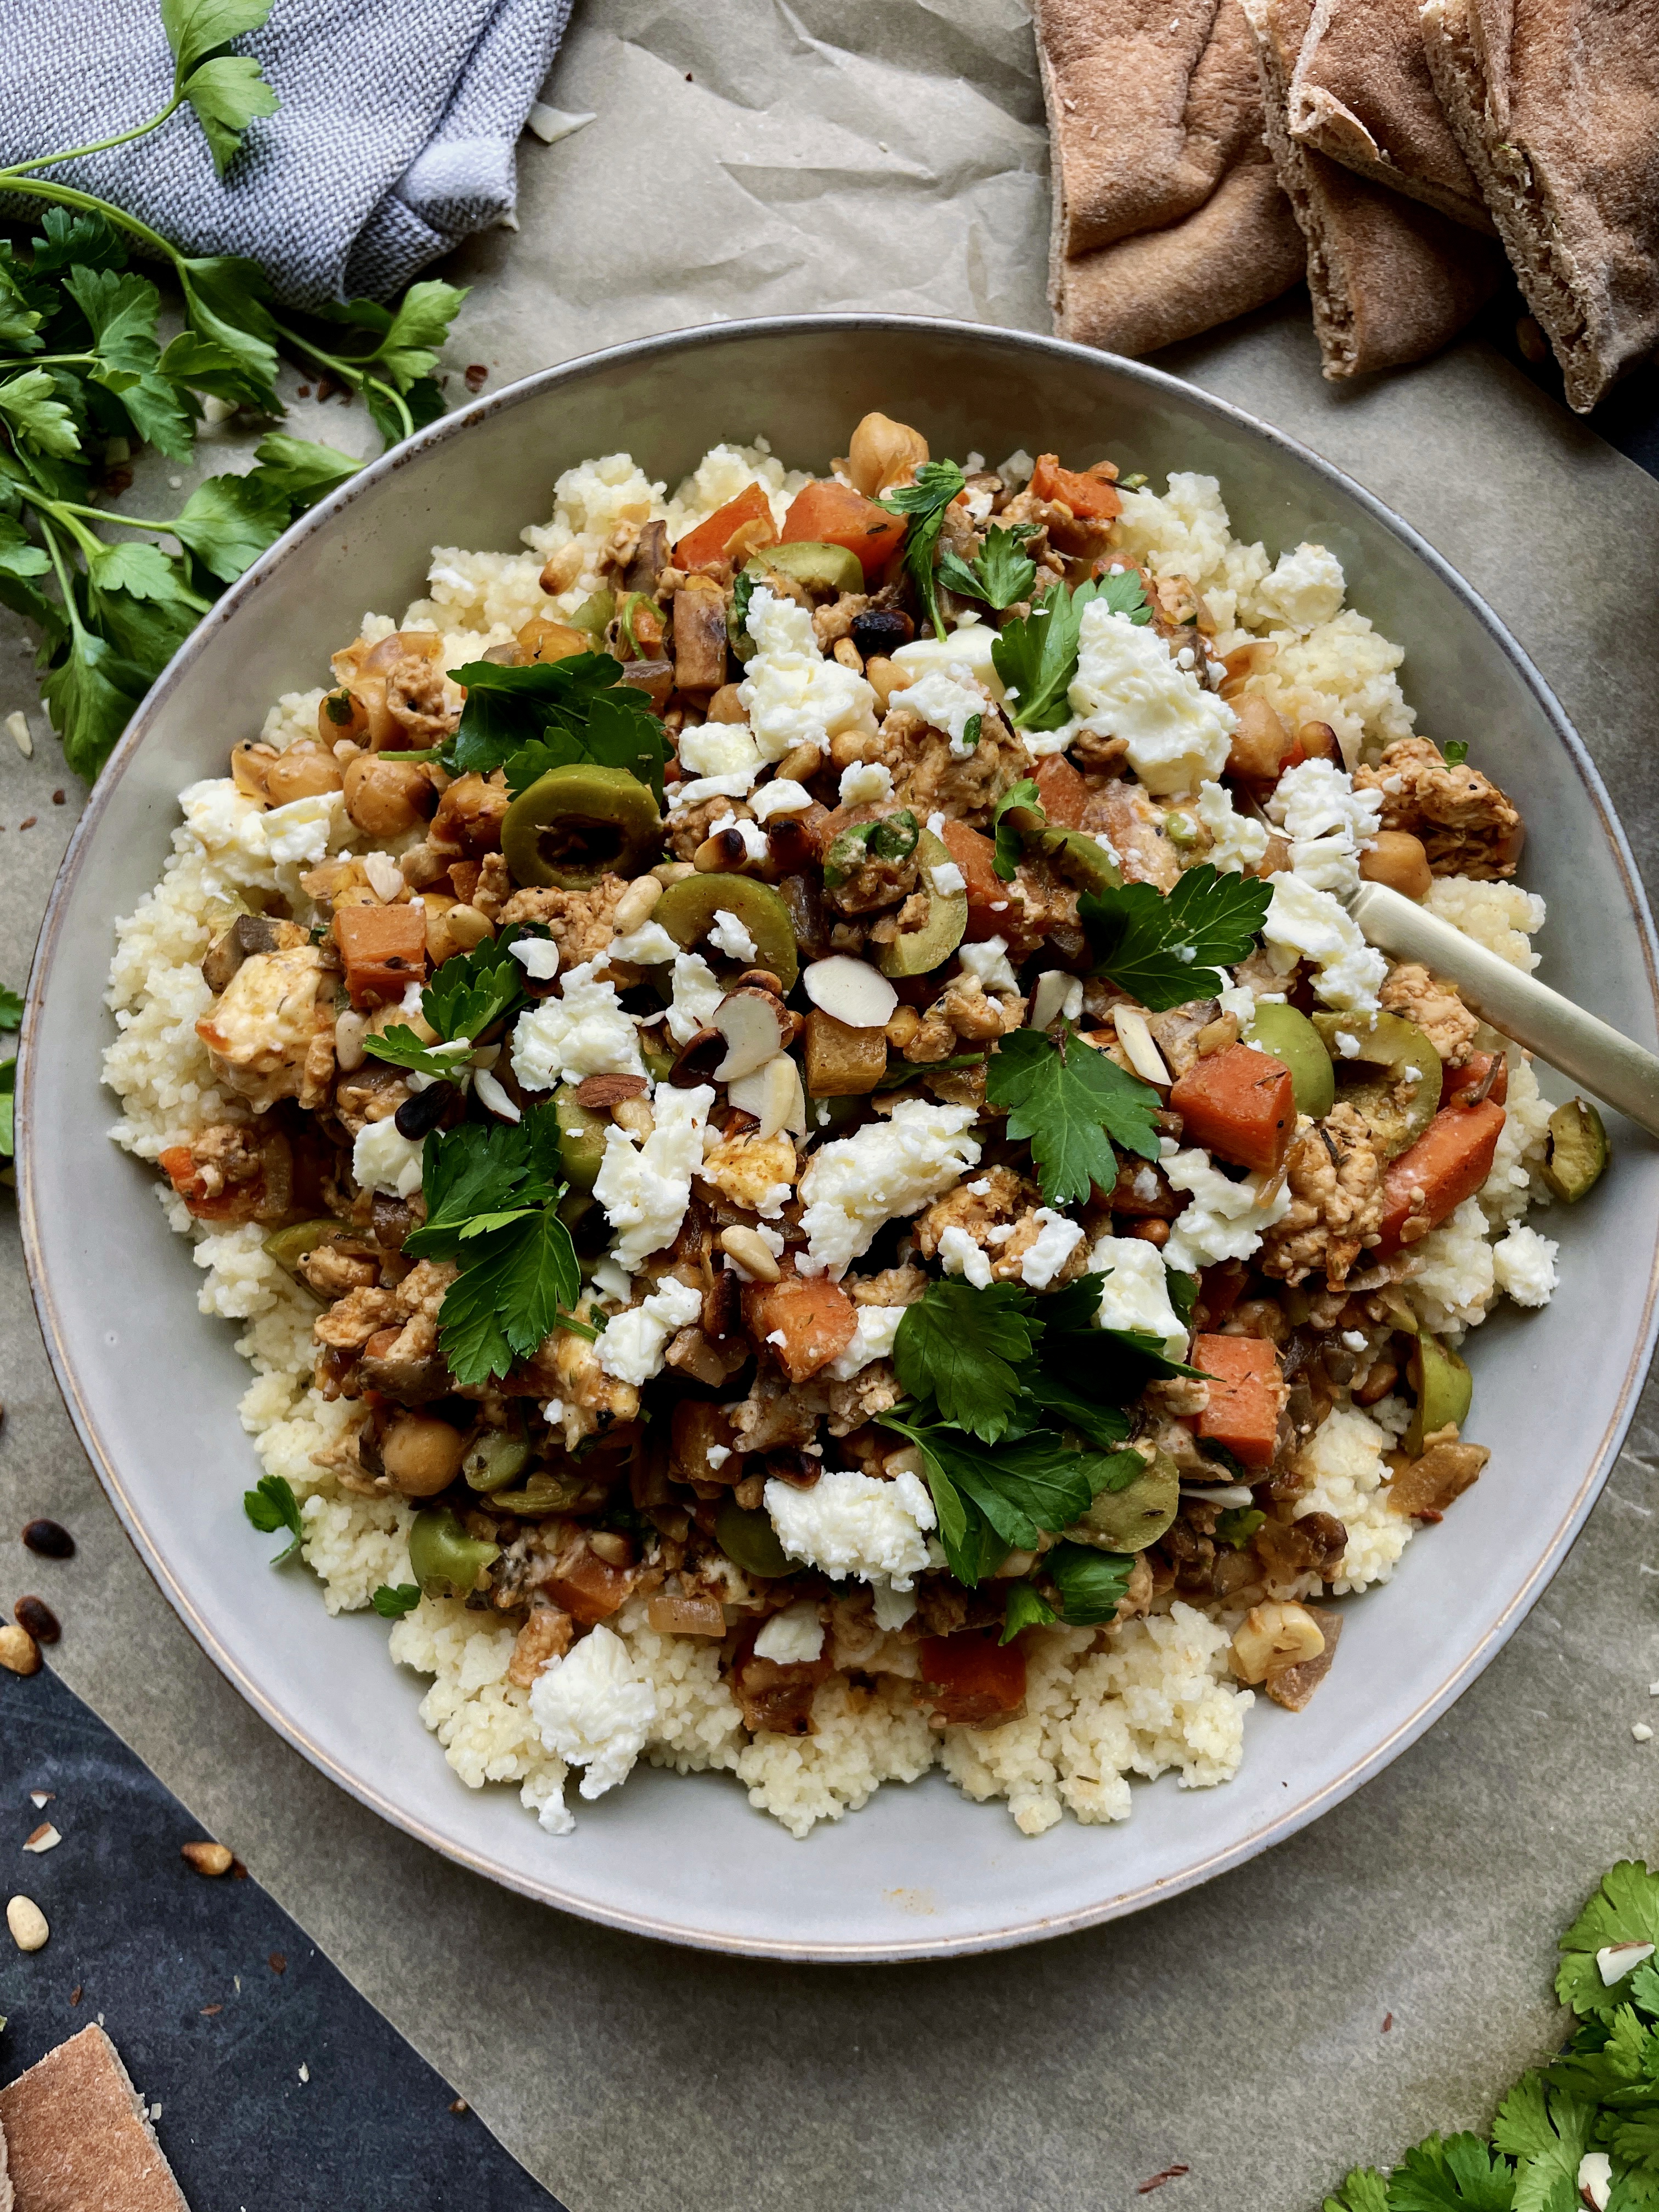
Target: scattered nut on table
38 1617
46 1838
208 1858
50 1539
27 1923
18 1651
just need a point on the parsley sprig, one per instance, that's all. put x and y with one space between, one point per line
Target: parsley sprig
492 1195
555 713
1022 799
1164 951
1086 1585
84 378
1072 1103
998 573
1036 654
271 1506
468 993
923 503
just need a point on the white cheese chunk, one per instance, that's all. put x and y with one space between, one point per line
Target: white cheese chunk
1128 686
783 795
383 1159
584 1031
947 697
791 693
1226 1220
593 1710
697 994
729 936
959 1255
645 1188
793 1637
969 648
1057 1238
1523 1265
872 1339
632 1344
866 783
1306 923
988 960
1327 823
854 1185
1305 589
648 946
855 1524
1136 1295
1238 841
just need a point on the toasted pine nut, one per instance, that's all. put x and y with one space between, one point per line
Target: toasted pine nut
751 1254
351 1028
27 1924
799 763
848 655
208 1858
635 904
633 1115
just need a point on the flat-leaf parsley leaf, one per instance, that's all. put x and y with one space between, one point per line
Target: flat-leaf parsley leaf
1069 1098
1164 951
961 1346
923 504
998 573
272 1505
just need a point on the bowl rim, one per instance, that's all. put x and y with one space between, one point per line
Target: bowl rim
32 1135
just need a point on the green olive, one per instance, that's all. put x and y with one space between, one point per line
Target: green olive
1083 860
542 1493
494 1458
820 567
1575 1162
1128 1520
444 1560
1401 1105
579 822
687 910
919 951
751 1541
287 1247
1292 1040
581 1139
594 616
1443 1386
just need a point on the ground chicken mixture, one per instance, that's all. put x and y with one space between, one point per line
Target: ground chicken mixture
816 1177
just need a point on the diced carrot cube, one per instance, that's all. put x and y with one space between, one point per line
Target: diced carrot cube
1062 791
709 544
970 1680
1247 1395
976 856
1240 1103
1431 1178
1092 494
813 1317
829 514
384 949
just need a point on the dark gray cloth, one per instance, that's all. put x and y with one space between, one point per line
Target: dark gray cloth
395 138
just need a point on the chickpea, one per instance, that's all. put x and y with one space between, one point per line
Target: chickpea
304 771
1398 860
1260 743
385 798
250 765
422 1455
724 706
541 640
884 453
1317 740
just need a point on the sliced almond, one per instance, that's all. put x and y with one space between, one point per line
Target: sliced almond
386 877
851 991
754 1024
1054 988
1136 1040
774 1095
1615 1960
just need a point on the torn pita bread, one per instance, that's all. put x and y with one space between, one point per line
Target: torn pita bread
1557 109
79 2137
1167 218
1392 281
1361 92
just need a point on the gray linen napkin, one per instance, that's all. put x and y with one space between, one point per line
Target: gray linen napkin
394 141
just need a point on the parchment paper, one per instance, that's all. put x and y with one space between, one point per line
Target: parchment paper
1239 2032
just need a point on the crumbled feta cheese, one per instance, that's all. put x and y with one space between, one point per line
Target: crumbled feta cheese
729 936
648 946
854 1185
632 1344
306 830
946 880
584 1031
792 695
755 844
1305 923
783 795
893 1608
717 1455
1226 1220
946 697
855 1524
793 1637
1128 686
967 649
1523 1264
720 748
989 961
1305 589
1347 1044
1354 1339
1057 1239
1136 1294
1327 823
593 1710
538 955
1239 1000
610 1279
697 994
1237 842
645 1188
229 826
959 1255
383 1159
872 1338
866 783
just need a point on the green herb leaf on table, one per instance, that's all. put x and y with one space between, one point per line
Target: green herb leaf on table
392 1603
272 1505
1547 2131
1364 2189
39 421
963 1347
1023 798
1456 2173
227 90
91 694
1625 1909
998 573
8 1106
923 503
1068 1099
1166 951
1036 656
11 1008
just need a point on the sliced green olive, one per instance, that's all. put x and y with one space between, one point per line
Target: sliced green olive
1406 1099
495 1458
919 951
287 1247
1083 860
595 615
581 1139
687 910
820 567
1292 1039
1443 1386
579 822
445 1560
657 1061
542 1493
1128 1520
1574 1163
750 1540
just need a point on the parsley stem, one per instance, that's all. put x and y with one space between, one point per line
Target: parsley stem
103 146
66 507
67 196
58 562
352 373
45 360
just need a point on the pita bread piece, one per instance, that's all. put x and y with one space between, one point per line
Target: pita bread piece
1167 218
79 2138
1361 93
1392 281
1555 107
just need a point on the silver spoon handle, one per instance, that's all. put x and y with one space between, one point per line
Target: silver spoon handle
1587 1050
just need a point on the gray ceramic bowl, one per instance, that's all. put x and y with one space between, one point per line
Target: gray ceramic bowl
153 1386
